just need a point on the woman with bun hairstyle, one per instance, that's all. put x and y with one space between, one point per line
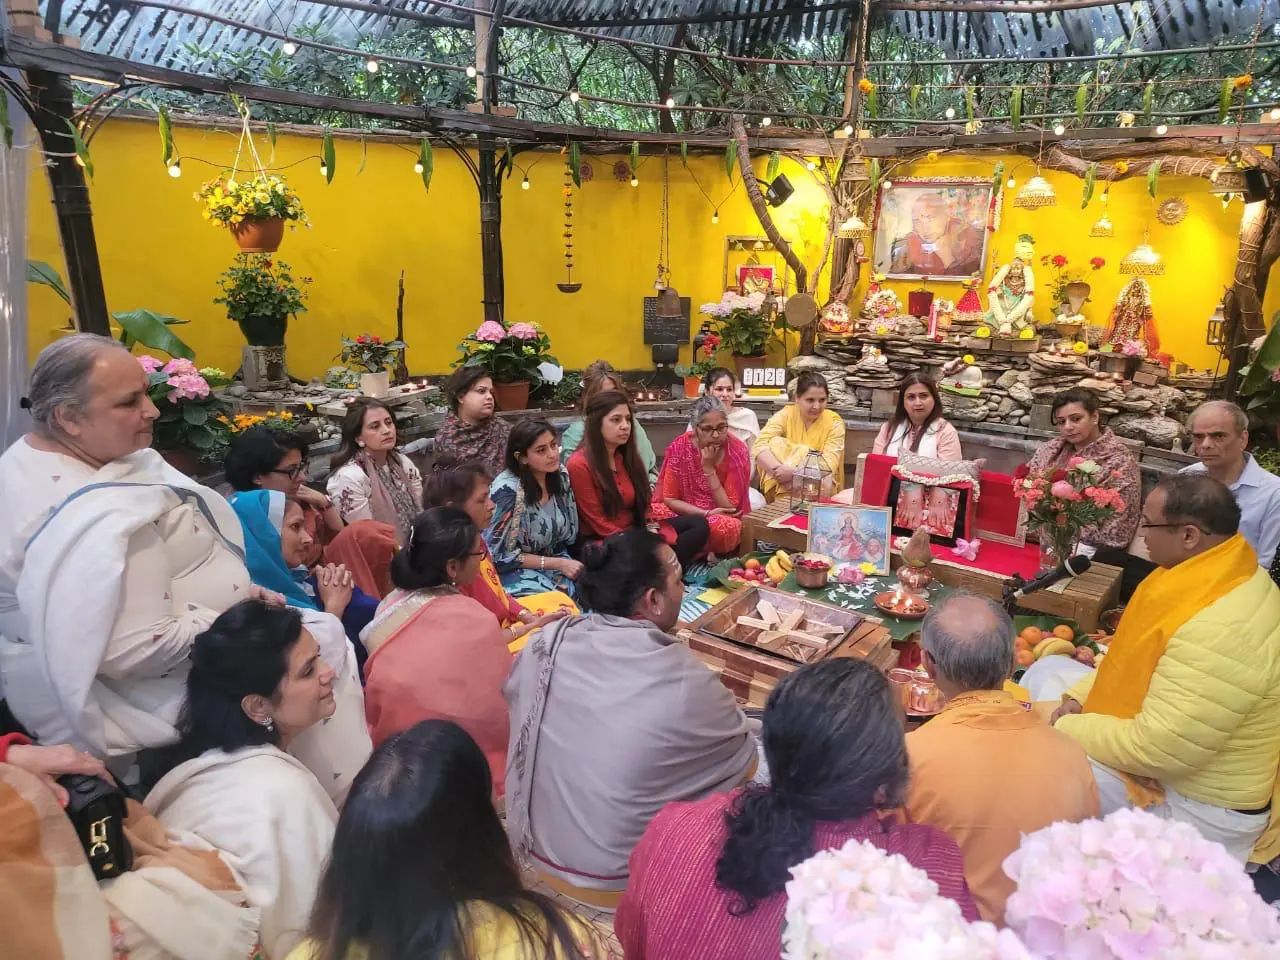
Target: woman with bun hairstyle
434 653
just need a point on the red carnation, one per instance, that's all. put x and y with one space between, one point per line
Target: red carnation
1059 260
1057 475
1020 473
1097 263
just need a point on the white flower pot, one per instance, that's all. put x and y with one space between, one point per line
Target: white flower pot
376 385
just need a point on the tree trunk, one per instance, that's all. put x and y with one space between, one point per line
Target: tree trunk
51 94
491 229
761 206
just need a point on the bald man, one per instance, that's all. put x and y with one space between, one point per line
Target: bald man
1220 437
939 243
986 770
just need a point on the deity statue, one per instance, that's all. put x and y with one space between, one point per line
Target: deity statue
1132 320
1012 291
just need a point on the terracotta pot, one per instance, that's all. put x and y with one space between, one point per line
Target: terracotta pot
183 459
259 235
691 387
512 396
264 331
746 363
376 385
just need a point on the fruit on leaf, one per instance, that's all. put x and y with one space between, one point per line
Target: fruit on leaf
737 572
1032 635
1065 632
752 564
784 560
1085 655
1024 658
1054 646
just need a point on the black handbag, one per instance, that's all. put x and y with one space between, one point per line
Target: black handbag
97 811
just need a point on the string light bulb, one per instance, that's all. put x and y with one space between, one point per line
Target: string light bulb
715 216
1059 129
670 102
524 184
574 96
1162 130
417 166
1010 183
635 181
848 129
289 48
175 169
1275 113
371 65
324 169
471 72
810 165
950 113
765 121
887 185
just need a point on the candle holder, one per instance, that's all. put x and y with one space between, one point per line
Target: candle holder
901 604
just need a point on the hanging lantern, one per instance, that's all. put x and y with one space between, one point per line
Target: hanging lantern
1143 262
1036 193
811 482
1103 227
852 227
1216 334
668 307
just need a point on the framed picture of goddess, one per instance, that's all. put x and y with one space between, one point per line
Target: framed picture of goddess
851 536
934 229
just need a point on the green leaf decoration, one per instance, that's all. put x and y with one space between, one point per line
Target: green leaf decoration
1015 107
152 331
913 96
330 157
635 156
1153 177
1148 95
873 173
166 136
1082 100
195 416
1224 98
364 154
575 163
730 158
426 157
271 139
684 154
511 160
1090 180
1268 359
201 437
6 131
775 161
873 102
81 148
969 101
997 177
40 272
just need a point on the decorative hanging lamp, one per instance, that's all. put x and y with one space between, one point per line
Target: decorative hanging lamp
1036 193
851 227
1143 262
668 306
1103 227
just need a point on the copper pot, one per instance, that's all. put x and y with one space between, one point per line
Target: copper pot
915 580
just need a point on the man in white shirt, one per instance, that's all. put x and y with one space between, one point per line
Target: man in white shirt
1219 436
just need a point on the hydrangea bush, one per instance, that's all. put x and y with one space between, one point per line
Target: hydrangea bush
1134 886
520 352
742 322
191 415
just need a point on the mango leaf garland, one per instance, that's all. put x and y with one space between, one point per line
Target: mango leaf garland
329 156
873 173
730 159
1153 177
684 154
873 102
914 96
997 177
775 161
575 163
1224 98
1090 180
1082 100
1015 107
635 157
969 101
81 148
1148 94
426 157
364 154
166 136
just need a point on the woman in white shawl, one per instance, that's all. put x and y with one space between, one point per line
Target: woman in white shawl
257 683
111 561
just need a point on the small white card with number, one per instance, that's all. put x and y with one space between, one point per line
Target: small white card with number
764 377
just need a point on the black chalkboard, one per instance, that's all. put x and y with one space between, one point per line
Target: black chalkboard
666 329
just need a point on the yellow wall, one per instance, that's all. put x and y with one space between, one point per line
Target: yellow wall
158 253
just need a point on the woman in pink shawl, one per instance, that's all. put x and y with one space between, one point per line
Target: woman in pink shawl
435 654
706 472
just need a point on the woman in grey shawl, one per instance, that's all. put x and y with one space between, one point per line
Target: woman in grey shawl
632 722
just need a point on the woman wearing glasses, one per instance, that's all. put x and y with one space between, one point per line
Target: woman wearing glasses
434 653
262 459
706 472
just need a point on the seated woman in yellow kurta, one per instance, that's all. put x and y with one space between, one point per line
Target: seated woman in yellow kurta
793 432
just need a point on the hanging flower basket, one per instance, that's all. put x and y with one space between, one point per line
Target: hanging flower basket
259 235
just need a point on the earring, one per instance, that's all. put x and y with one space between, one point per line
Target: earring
269 724
360 443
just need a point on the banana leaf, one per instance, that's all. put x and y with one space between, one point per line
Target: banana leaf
330 157
1267 361
40 272
152 330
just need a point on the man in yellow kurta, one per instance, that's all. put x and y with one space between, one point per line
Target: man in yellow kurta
1183 715
798 429
986 770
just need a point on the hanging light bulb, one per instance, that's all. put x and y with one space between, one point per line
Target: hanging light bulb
950 113
1059 129
765 121
1143 262
574 96
289 48
810 165
417 167
848 129
231 184
371 65
1036 193
1275 113
1103 227
1162 130
670 102
471 72
324 169
715 216
852 226
887 185
635 181
524 184
1010 183
175 169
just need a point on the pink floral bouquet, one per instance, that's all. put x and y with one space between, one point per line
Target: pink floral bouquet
860 903
510 354
1134 886
1063 502
191 415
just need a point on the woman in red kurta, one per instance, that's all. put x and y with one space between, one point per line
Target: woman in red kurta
708 878
706 473
611 486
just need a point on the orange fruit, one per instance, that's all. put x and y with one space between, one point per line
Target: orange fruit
1020 643
1063 631
1024 658
752 564
1032 635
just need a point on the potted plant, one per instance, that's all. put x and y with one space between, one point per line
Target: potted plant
701 366
374 356
260 294
192 425
254 210
517 357
1069 290
744 325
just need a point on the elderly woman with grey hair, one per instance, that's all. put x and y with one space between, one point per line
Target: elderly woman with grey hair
111 561
706 472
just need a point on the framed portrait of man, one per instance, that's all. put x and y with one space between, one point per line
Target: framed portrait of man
934 229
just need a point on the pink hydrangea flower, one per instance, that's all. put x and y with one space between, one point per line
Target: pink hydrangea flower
180 367
187 386
1275 375
490 331
523 331
149 364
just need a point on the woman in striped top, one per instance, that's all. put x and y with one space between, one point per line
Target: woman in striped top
708 877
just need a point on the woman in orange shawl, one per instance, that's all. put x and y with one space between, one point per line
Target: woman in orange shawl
706 472
433 652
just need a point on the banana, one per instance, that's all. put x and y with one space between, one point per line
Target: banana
784 560
774 569
1053 646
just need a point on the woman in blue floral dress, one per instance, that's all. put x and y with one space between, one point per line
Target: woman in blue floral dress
536 518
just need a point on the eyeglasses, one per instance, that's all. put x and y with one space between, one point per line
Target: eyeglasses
1143 525
293 473
719 431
